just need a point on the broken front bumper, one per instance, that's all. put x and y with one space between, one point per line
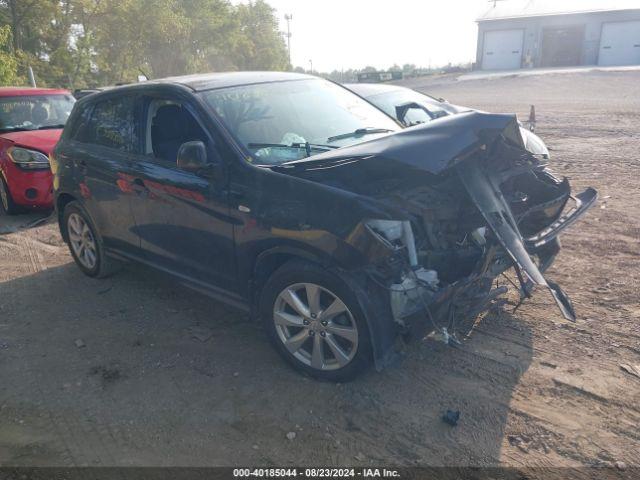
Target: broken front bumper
484 189
583 202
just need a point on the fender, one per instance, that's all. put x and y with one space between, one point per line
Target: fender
376 311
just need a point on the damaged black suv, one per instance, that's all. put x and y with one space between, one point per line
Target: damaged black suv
296 199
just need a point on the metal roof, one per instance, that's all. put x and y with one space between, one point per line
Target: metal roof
208 81
505 9
205 81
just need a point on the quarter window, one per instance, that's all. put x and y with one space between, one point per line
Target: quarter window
111 124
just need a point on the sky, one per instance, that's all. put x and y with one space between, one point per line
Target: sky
343 34
339 34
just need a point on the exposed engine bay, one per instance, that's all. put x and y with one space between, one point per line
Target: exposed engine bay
469 227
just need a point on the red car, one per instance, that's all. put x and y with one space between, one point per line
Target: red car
31 121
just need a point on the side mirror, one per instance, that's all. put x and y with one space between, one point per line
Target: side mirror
192 156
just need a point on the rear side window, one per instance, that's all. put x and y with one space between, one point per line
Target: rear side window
110 123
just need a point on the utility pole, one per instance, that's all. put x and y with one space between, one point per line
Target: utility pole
311 65
288 17
32 77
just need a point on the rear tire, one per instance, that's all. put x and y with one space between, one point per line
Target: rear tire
85 243
315 322
6 201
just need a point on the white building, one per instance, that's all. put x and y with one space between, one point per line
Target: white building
516 34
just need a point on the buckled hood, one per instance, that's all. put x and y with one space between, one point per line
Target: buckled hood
432 147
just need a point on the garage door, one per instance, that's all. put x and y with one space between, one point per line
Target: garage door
620 44
502 49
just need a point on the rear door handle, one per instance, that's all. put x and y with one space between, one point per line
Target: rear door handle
139 187
82 166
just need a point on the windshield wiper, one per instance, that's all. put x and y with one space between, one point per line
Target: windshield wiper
358 133
298 145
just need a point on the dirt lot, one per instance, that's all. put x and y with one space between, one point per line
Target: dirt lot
111 372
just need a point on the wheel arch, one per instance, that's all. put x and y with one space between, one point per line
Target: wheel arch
62 200
270 260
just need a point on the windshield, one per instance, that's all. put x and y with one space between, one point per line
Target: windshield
34 112
388 102
285 121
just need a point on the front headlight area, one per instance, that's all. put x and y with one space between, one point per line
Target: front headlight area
28 159
412 285
533 143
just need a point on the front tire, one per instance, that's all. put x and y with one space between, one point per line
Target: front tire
85 243
6 200
315 322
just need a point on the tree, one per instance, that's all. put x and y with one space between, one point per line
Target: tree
8 63
260 46
77 43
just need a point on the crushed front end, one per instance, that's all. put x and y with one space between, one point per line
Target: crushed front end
497 209
443 210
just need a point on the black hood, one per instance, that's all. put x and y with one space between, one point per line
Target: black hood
433 147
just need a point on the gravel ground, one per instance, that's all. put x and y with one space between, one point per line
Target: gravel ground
137 370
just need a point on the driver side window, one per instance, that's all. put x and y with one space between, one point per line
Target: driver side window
169 125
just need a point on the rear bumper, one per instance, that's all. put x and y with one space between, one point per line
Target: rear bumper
29 188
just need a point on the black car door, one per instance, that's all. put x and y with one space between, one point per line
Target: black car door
182 217
101 150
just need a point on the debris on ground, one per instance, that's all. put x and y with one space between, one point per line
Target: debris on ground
37 222
200 333
291 435
79 343
514 440
632 369
520 442
451 417
360 457
621 466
